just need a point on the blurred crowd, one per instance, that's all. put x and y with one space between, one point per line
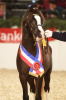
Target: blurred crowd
53 8
50 8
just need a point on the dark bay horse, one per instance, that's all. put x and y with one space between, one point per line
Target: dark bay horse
32 34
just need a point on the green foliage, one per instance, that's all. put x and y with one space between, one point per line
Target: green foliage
50 23
57 23
8 23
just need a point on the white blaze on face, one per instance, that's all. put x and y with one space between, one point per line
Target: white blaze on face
38 19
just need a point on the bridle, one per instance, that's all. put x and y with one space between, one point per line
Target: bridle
39 39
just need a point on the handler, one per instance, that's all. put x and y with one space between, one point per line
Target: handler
56 35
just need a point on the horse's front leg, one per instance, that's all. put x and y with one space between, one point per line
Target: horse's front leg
23 80
32 88
38 88
47 83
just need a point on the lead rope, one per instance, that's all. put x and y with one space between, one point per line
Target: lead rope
45 48
47 44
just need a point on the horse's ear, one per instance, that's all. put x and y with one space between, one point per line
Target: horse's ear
31 9
39 7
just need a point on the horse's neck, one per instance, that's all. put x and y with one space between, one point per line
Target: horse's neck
28 44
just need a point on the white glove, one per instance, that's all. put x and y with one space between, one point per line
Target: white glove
48 33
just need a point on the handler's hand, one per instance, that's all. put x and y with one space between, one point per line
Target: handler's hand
48 33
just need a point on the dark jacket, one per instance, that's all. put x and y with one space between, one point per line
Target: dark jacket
59 36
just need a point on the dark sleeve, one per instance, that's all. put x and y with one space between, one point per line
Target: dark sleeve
59 36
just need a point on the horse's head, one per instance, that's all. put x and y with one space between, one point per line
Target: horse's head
32 22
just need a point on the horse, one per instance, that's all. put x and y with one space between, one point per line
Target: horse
32 36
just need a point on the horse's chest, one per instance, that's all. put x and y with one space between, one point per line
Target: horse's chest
34 62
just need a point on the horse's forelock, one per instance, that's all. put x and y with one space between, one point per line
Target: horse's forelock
33 10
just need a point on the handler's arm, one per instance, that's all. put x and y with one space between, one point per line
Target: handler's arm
59 36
